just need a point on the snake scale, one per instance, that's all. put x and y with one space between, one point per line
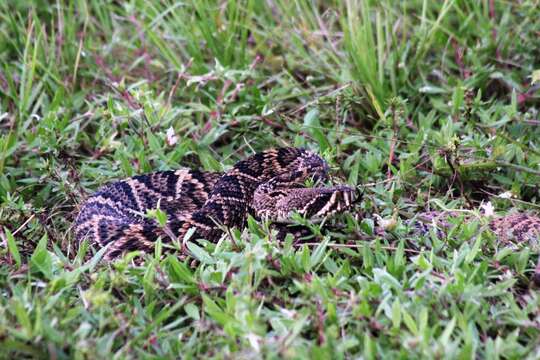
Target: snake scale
267 185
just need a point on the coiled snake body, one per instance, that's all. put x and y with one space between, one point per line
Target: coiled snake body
269 185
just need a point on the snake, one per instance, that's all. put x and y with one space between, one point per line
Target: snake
512 230
268 185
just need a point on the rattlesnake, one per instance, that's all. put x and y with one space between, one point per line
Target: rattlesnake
269 185
511 230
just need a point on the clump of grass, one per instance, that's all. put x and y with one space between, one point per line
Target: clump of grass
425 104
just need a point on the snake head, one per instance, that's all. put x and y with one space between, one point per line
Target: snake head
312 166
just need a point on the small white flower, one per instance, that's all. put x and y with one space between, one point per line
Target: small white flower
488 209
172 139
506 195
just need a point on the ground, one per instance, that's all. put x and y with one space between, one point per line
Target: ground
424 105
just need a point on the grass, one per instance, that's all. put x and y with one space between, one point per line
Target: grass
424 104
